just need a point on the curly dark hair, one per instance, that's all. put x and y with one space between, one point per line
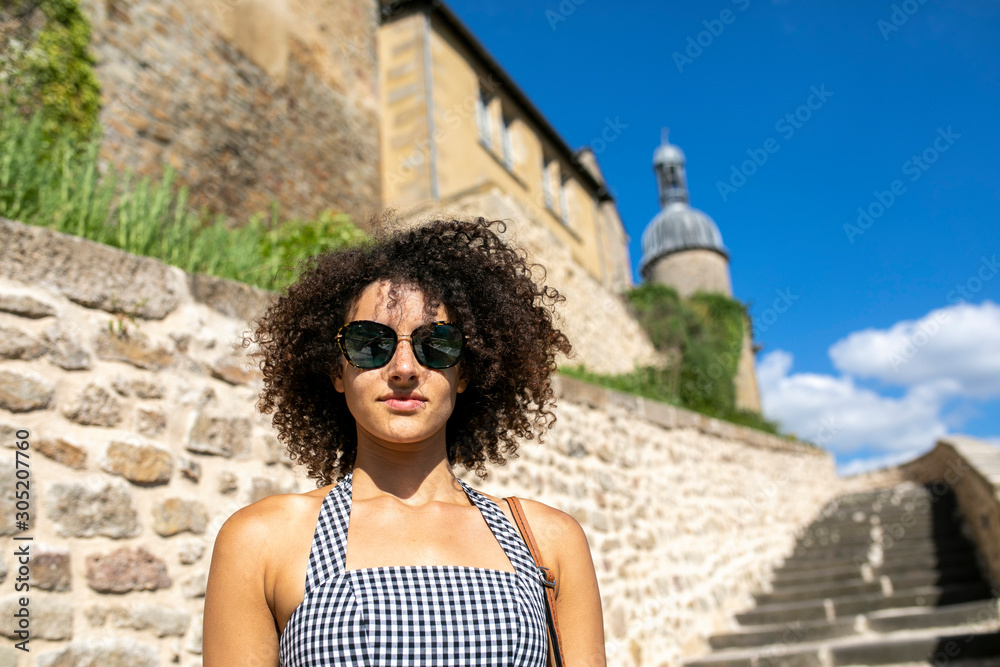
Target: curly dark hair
488 288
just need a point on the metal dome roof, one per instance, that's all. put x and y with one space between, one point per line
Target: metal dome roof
679 227
668 153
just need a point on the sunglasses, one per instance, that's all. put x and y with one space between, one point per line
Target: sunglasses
368 345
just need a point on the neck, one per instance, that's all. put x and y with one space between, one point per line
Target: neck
414 473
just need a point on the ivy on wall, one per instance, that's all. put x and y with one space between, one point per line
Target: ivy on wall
47 67
701 339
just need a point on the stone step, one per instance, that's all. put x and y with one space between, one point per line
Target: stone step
850 570
850 605
899 538
937 648
944 553
810 540
940 650
899 581
975 614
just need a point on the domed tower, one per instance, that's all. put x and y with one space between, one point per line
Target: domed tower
682 247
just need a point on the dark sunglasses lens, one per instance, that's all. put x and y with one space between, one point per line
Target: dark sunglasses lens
438 345
368 344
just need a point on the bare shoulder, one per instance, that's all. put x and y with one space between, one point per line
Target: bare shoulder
271 521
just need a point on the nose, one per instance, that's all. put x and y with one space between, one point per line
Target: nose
403 365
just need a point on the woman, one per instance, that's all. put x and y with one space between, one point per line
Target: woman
384 367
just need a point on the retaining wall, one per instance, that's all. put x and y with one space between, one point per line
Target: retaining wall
143 439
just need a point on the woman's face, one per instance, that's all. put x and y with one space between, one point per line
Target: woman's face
402 402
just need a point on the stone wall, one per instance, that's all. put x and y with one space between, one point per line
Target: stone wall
970 468
143 439
248 100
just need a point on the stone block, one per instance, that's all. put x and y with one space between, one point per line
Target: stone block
88 273
125 570
220 436
194 640
51 617
3 569
150 422
25 306
190 551
146 465
50 569
98 506
102 653
161 621
62 451
175 515
132 348
8 656
228 296
18 344
227 482
195 585
65 351
190 469
94 406
24 391
274 451
234 371
138 387
8 489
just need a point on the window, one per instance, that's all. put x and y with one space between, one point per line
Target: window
547 183
564 201
483 119
508 143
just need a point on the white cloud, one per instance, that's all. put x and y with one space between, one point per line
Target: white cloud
951 352
842 417
957 349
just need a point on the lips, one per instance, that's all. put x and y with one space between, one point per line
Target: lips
403 403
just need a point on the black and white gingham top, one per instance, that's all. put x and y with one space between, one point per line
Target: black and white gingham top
415 614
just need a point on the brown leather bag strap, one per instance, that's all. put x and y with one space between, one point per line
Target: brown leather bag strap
547 579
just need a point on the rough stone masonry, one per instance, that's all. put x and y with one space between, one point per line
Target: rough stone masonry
144 438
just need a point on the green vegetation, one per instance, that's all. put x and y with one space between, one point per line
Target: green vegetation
50 175
49 69
56 183
701 338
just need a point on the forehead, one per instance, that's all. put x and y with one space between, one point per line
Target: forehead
388 302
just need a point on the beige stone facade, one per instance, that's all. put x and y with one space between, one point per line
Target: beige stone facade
125 378
453 123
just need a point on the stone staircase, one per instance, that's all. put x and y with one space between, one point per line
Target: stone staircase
883 577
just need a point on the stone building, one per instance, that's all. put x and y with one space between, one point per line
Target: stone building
458 135
455 126
682 247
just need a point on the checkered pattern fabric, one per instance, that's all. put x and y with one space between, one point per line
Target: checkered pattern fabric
415 614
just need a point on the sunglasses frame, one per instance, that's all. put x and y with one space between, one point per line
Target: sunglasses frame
340 343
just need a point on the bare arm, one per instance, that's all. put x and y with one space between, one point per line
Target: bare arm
239 626
578 600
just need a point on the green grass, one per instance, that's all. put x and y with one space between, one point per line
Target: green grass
57 183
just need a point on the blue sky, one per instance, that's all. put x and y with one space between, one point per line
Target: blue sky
890 330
